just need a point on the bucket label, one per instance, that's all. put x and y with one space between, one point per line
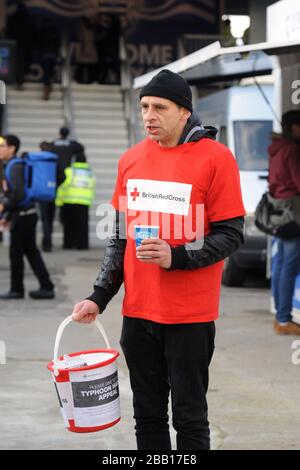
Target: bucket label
64 394
95 392
59 400
95 396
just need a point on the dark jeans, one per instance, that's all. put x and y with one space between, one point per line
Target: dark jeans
163 358
23 235
48 62
287 267
47 211
76 226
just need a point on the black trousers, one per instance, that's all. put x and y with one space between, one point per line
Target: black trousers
23 242
75 219
47 211
163 358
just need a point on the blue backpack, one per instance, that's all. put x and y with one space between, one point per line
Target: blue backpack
40 169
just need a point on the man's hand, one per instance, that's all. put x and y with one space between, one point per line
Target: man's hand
1 208
85 311
158 250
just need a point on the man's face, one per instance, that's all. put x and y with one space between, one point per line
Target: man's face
163 120
6 152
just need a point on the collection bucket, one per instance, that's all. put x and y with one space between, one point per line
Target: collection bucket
87 386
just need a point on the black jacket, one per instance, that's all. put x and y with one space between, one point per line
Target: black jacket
225 237
13 196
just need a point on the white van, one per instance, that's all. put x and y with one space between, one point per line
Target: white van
244 121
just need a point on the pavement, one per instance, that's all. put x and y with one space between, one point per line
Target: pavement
253 398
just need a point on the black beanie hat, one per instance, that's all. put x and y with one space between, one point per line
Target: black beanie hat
169 85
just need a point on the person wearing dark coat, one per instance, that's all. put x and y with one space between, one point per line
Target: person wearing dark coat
284 183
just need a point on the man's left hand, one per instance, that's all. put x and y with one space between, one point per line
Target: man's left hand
158 251
1 208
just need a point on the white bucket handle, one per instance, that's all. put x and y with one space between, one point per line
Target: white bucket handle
61 327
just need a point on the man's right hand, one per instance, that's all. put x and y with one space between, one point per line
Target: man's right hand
85 311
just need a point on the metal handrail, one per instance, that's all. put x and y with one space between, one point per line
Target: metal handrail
66 80
128 95
3 101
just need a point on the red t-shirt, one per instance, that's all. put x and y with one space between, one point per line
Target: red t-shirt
182 189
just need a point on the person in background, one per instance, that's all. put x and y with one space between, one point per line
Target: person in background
66 149
107 31
21 28
75 195
22 221
86 53
172 283
47 211
49 42
284 183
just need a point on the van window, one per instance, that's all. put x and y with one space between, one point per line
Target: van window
252 139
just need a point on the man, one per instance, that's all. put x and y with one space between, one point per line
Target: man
172 284
75 195
47 211
65 149
284 183
23 221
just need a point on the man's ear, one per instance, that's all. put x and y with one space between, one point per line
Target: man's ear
185 114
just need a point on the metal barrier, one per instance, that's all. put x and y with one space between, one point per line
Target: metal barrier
129 96
3 111
66 80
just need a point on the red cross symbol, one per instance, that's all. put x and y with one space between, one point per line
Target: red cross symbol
135 194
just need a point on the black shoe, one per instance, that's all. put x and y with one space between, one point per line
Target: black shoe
47 248
42 294
11 294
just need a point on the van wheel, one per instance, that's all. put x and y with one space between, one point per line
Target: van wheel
233 276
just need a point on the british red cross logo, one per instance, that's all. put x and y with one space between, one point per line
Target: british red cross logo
135 194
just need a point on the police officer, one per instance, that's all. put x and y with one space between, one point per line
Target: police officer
22 221
75 195
65 148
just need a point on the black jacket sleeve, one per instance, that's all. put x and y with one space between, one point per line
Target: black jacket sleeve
14 195
110 277
225 237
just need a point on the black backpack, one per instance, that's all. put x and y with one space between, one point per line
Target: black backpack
276 216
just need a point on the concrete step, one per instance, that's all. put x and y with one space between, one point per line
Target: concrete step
94 87
35 121
108 167
18 111
99 132
113 124
94 144
96 105
107 182
34 104
104 167
104 158
36 86
106 195
105 172
97 114
105 146
100 153
32 95
103 194
31 132
97 96
103 155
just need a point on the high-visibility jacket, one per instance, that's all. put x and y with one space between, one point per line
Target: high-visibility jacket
78 186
